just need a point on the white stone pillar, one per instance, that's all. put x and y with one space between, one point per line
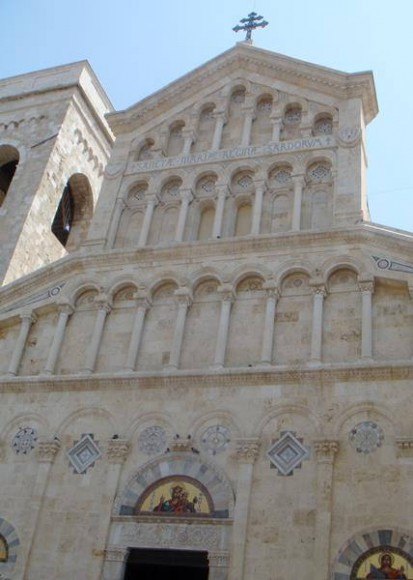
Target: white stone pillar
319 293
276 128
218 565
247 452
137 332
116 453
152 200
189 137
227 299
186 198
27 319
114 224
366 289
184 301
257 210
65 310
269 324
325 454
220 120
104 308
46 452
410 287
249 115
222 191
298 181
115 562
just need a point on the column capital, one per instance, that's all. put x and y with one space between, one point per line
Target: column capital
220 114
116 553
65 307
326 449
221 189
47 449
189 132
319 290
298 179
186 195
118 450
248 109
366 286
28 315
142 301
226 292
184 296
152 198
271 290
103 302
260 184
247 449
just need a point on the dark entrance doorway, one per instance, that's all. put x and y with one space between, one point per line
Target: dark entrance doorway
144 564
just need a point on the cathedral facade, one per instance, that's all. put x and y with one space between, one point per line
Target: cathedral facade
206 347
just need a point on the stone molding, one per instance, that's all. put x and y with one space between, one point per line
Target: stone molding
47 450
218 559
404 443
118 450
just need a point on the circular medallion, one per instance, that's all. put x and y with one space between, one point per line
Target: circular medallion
366 437
215 439
152 440
24 440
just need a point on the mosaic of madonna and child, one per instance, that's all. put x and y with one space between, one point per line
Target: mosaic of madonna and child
176 496
383 563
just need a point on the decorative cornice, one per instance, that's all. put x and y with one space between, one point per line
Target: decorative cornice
70 266
251 59
404 443
204 378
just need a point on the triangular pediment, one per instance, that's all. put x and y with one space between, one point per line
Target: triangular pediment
245 62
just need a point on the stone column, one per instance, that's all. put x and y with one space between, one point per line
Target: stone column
117 453
276 128
269 323
27 319
220 120
366 289
298 181
410 288
325 453
227 295
222 191
186 198
115 562
104 308
46 452
152 200
184 301
218 565
137 332
247 453
319 293
65 310
114 224
189 137
249 115
257 210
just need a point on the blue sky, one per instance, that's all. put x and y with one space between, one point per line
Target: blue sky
137 47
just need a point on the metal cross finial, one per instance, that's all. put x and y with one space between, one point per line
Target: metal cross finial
253 21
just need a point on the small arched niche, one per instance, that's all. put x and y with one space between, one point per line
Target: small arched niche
291 121
145 152
74 212
323 124
176 139
9 159
231 135
205 130
318 197
261 131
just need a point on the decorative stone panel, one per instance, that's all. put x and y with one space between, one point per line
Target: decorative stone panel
83 454
287 453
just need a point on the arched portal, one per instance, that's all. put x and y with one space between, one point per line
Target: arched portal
179 505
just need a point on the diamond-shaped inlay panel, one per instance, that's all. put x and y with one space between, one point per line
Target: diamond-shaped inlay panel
287 453
84 453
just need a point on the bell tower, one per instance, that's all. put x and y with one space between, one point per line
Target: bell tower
54 146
